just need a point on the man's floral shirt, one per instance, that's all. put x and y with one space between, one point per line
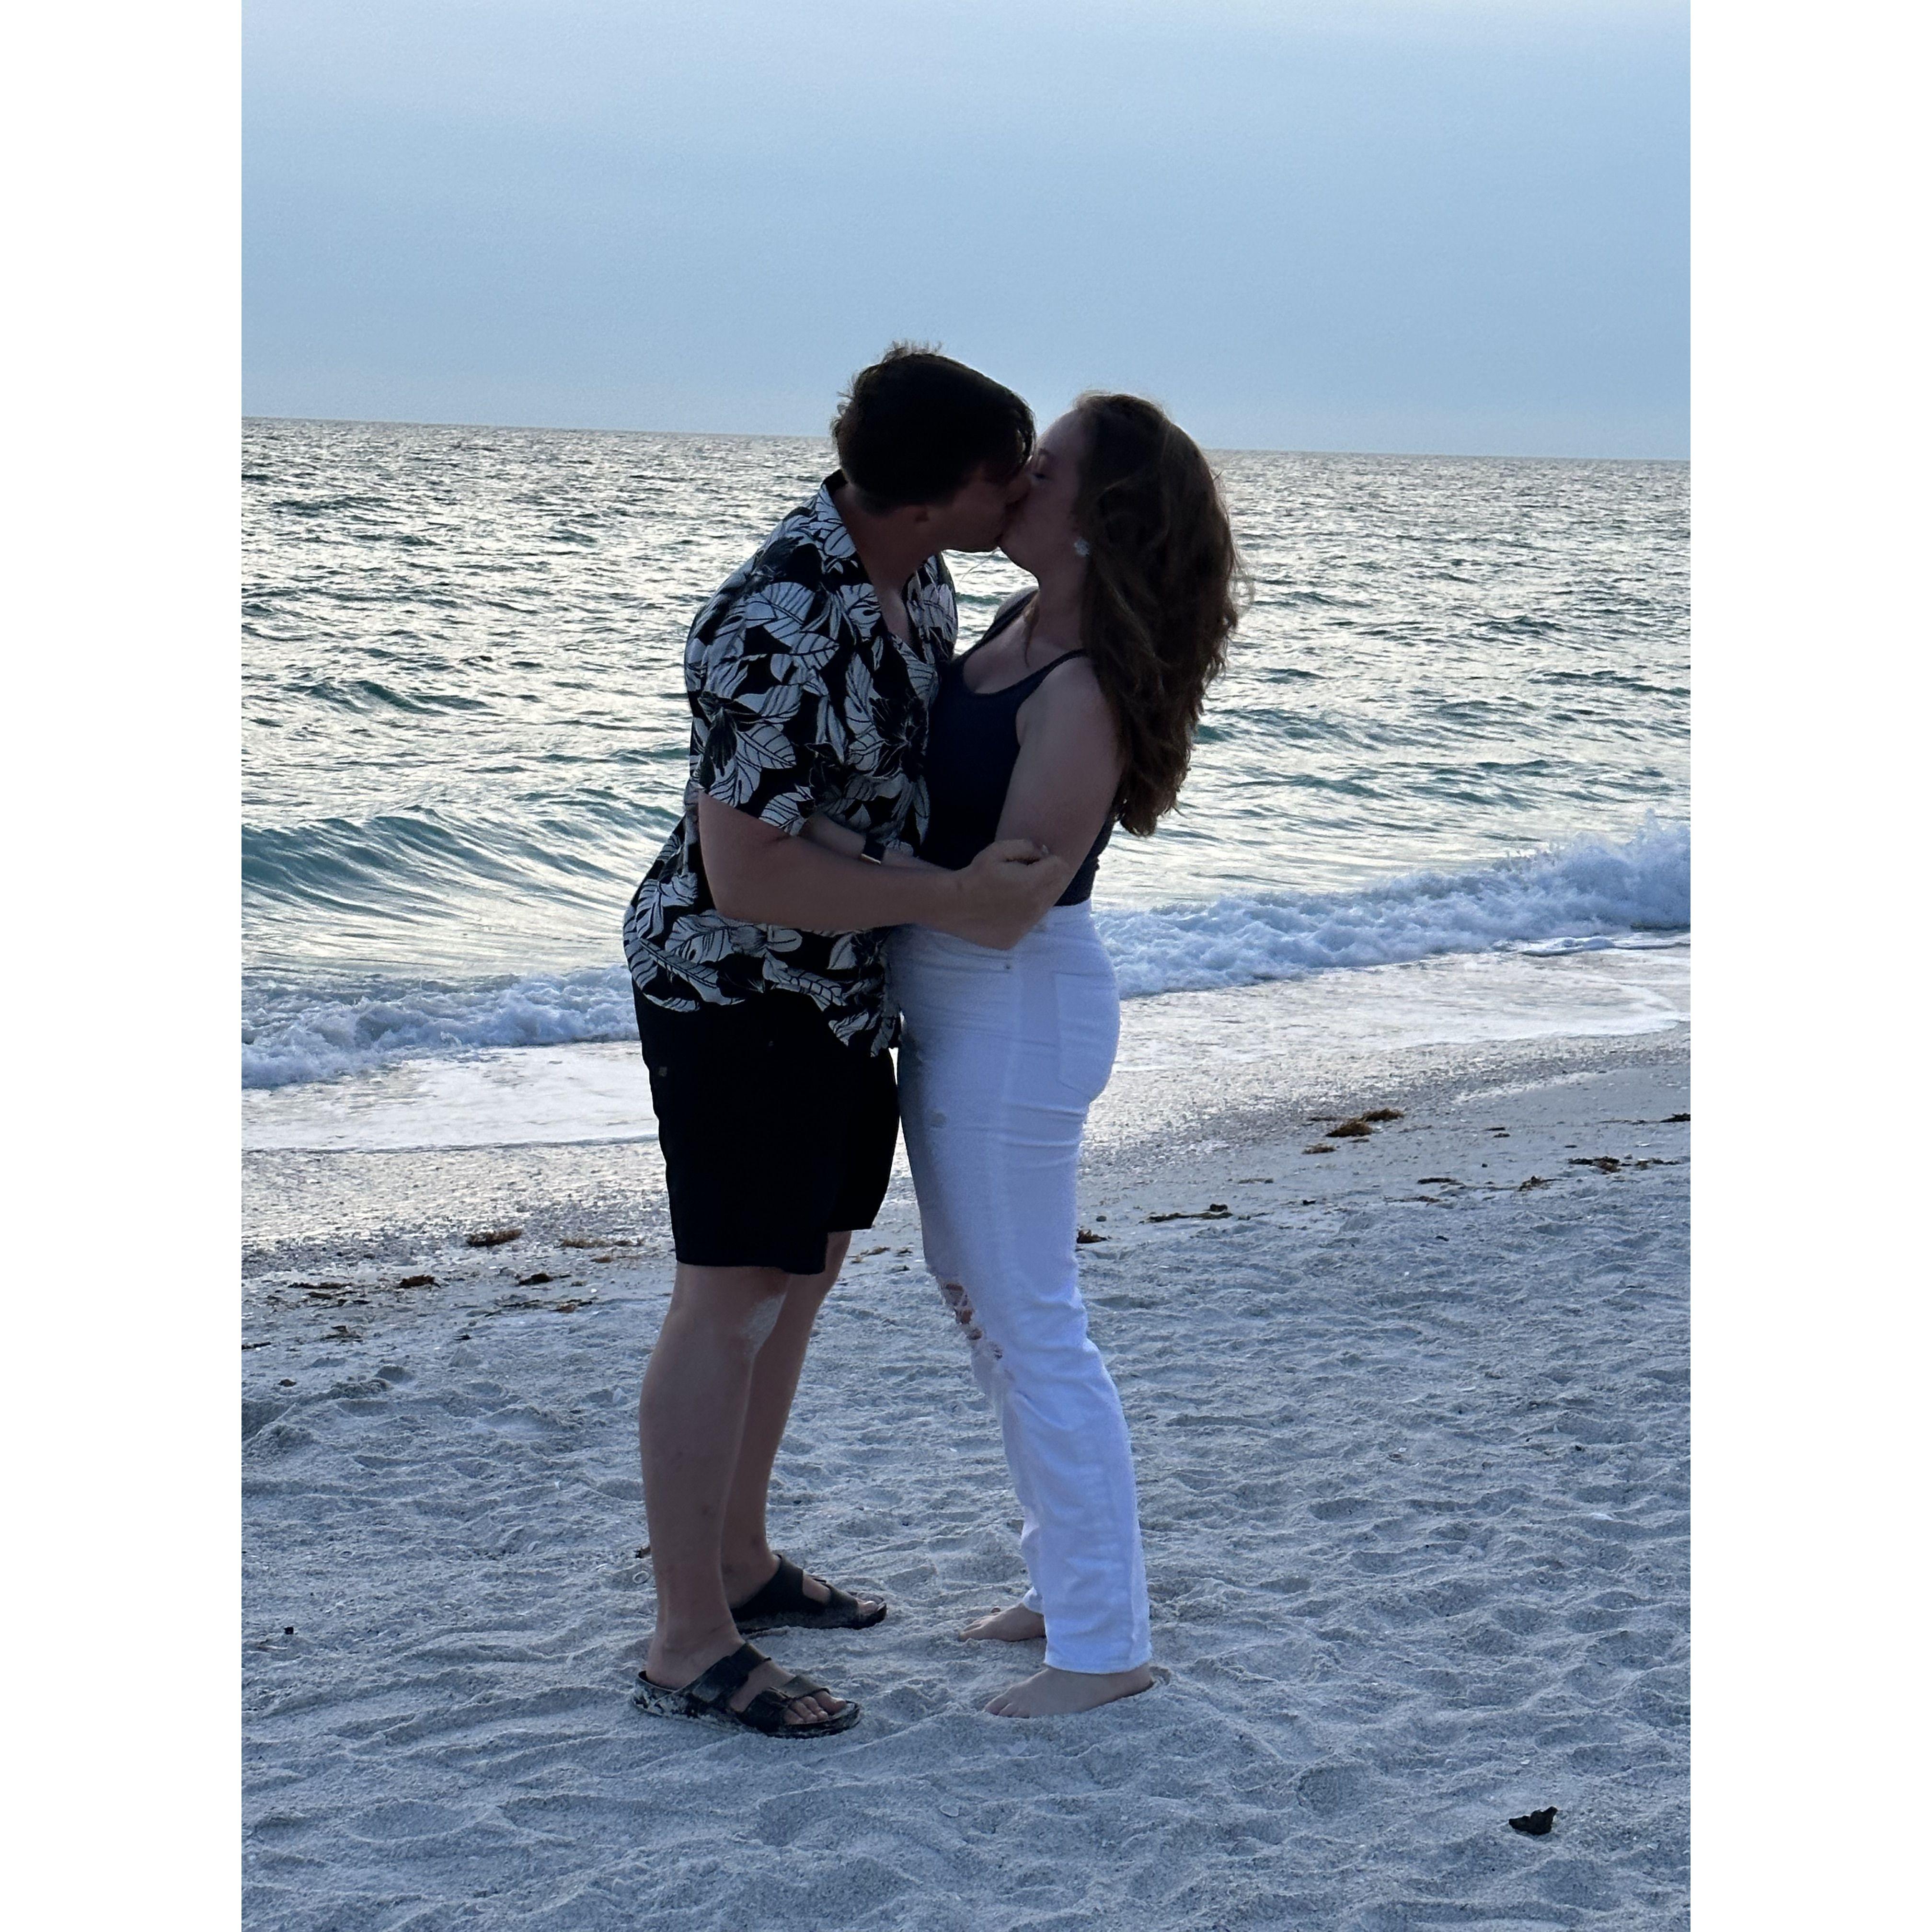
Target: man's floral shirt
802 701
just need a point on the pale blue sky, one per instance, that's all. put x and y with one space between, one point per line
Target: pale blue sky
1404 225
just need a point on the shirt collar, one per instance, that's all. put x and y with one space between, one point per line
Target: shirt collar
828 531
827 527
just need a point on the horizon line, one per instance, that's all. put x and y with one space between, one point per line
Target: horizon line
779 436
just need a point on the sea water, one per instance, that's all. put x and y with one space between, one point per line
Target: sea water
1455 723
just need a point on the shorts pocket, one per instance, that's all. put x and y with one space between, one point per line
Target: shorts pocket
1089 1012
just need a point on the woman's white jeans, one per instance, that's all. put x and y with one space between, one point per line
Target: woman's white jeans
1002 1054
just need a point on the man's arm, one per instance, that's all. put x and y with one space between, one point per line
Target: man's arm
822 829
763 874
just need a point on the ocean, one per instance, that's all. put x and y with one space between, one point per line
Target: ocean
1455 726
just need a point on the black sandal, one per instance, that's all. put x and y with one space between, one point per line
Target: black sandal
708 1698
782 1604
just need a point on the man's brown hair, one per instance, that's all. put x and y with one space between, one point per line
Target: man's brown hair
915 427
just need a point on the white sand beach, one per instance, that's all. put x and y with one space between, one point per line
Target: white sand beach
1411 1423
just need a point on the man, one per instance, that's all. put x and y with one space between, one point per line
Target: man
759 974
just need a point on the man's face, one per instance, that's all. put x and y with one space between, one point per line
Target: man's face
973 517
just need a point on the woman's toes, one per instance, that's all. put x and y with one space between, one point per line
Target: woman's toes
1014 1625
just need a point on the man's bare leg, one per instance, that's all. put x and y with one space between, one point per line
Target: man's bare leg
691 1421
749 1561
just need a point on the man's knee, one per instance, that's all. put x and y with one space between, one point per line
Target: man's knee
820 1285
743 1304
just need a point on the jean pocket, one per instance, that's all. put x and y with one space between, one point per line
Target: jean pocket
1089 1012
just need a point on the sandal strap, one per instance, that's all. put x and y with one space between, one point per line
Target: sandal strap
726 1677
795 1688
836 1599
771 1710
783 1590
781 1600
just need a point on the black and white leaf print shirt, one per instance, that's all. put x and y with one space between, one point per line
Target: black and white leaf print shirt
802 701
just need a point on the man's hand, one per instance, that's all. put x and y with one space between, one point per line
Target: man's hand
1006 891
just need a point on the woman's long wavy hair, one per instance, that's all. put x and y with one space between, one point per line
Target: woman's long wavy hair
1163 591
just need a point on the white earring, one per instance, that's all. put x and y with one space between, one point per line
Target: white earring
1081 548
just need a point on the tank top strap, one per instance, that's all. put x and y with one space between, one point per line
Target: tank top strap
999 624
1022 688
1032 681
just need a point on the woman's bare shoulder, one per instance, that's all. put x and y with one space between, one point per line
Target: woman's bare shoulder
1071 681
1070 704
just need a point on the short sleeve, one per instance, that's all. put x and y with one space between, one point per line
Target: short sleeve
759 691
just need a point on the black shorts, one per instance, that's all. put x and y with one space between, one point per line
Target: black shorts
775 1132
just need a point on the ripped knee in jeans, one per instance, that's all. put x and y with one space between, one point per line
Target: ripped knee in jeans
956 1298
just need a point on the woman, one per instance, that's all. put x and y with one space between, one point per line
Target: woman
1076 711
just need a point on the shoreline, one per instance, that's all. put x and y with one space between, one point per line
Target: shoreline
1410 1422
1238 1065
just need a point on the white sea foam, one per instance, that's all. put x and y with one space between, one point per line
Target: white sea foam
1589 892
1584 895
294 1039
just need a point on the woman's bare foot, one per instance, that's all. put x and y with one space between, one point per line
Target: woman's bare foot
1016 1625
1056 1693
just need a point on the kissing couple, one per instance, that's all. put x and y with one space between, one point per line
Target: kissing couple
887 843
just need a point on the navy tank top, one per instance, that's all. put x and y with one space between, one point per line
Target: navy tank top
969 756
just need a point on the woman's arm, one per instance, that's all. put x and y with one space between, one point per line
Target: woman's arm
1068 773
762 874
